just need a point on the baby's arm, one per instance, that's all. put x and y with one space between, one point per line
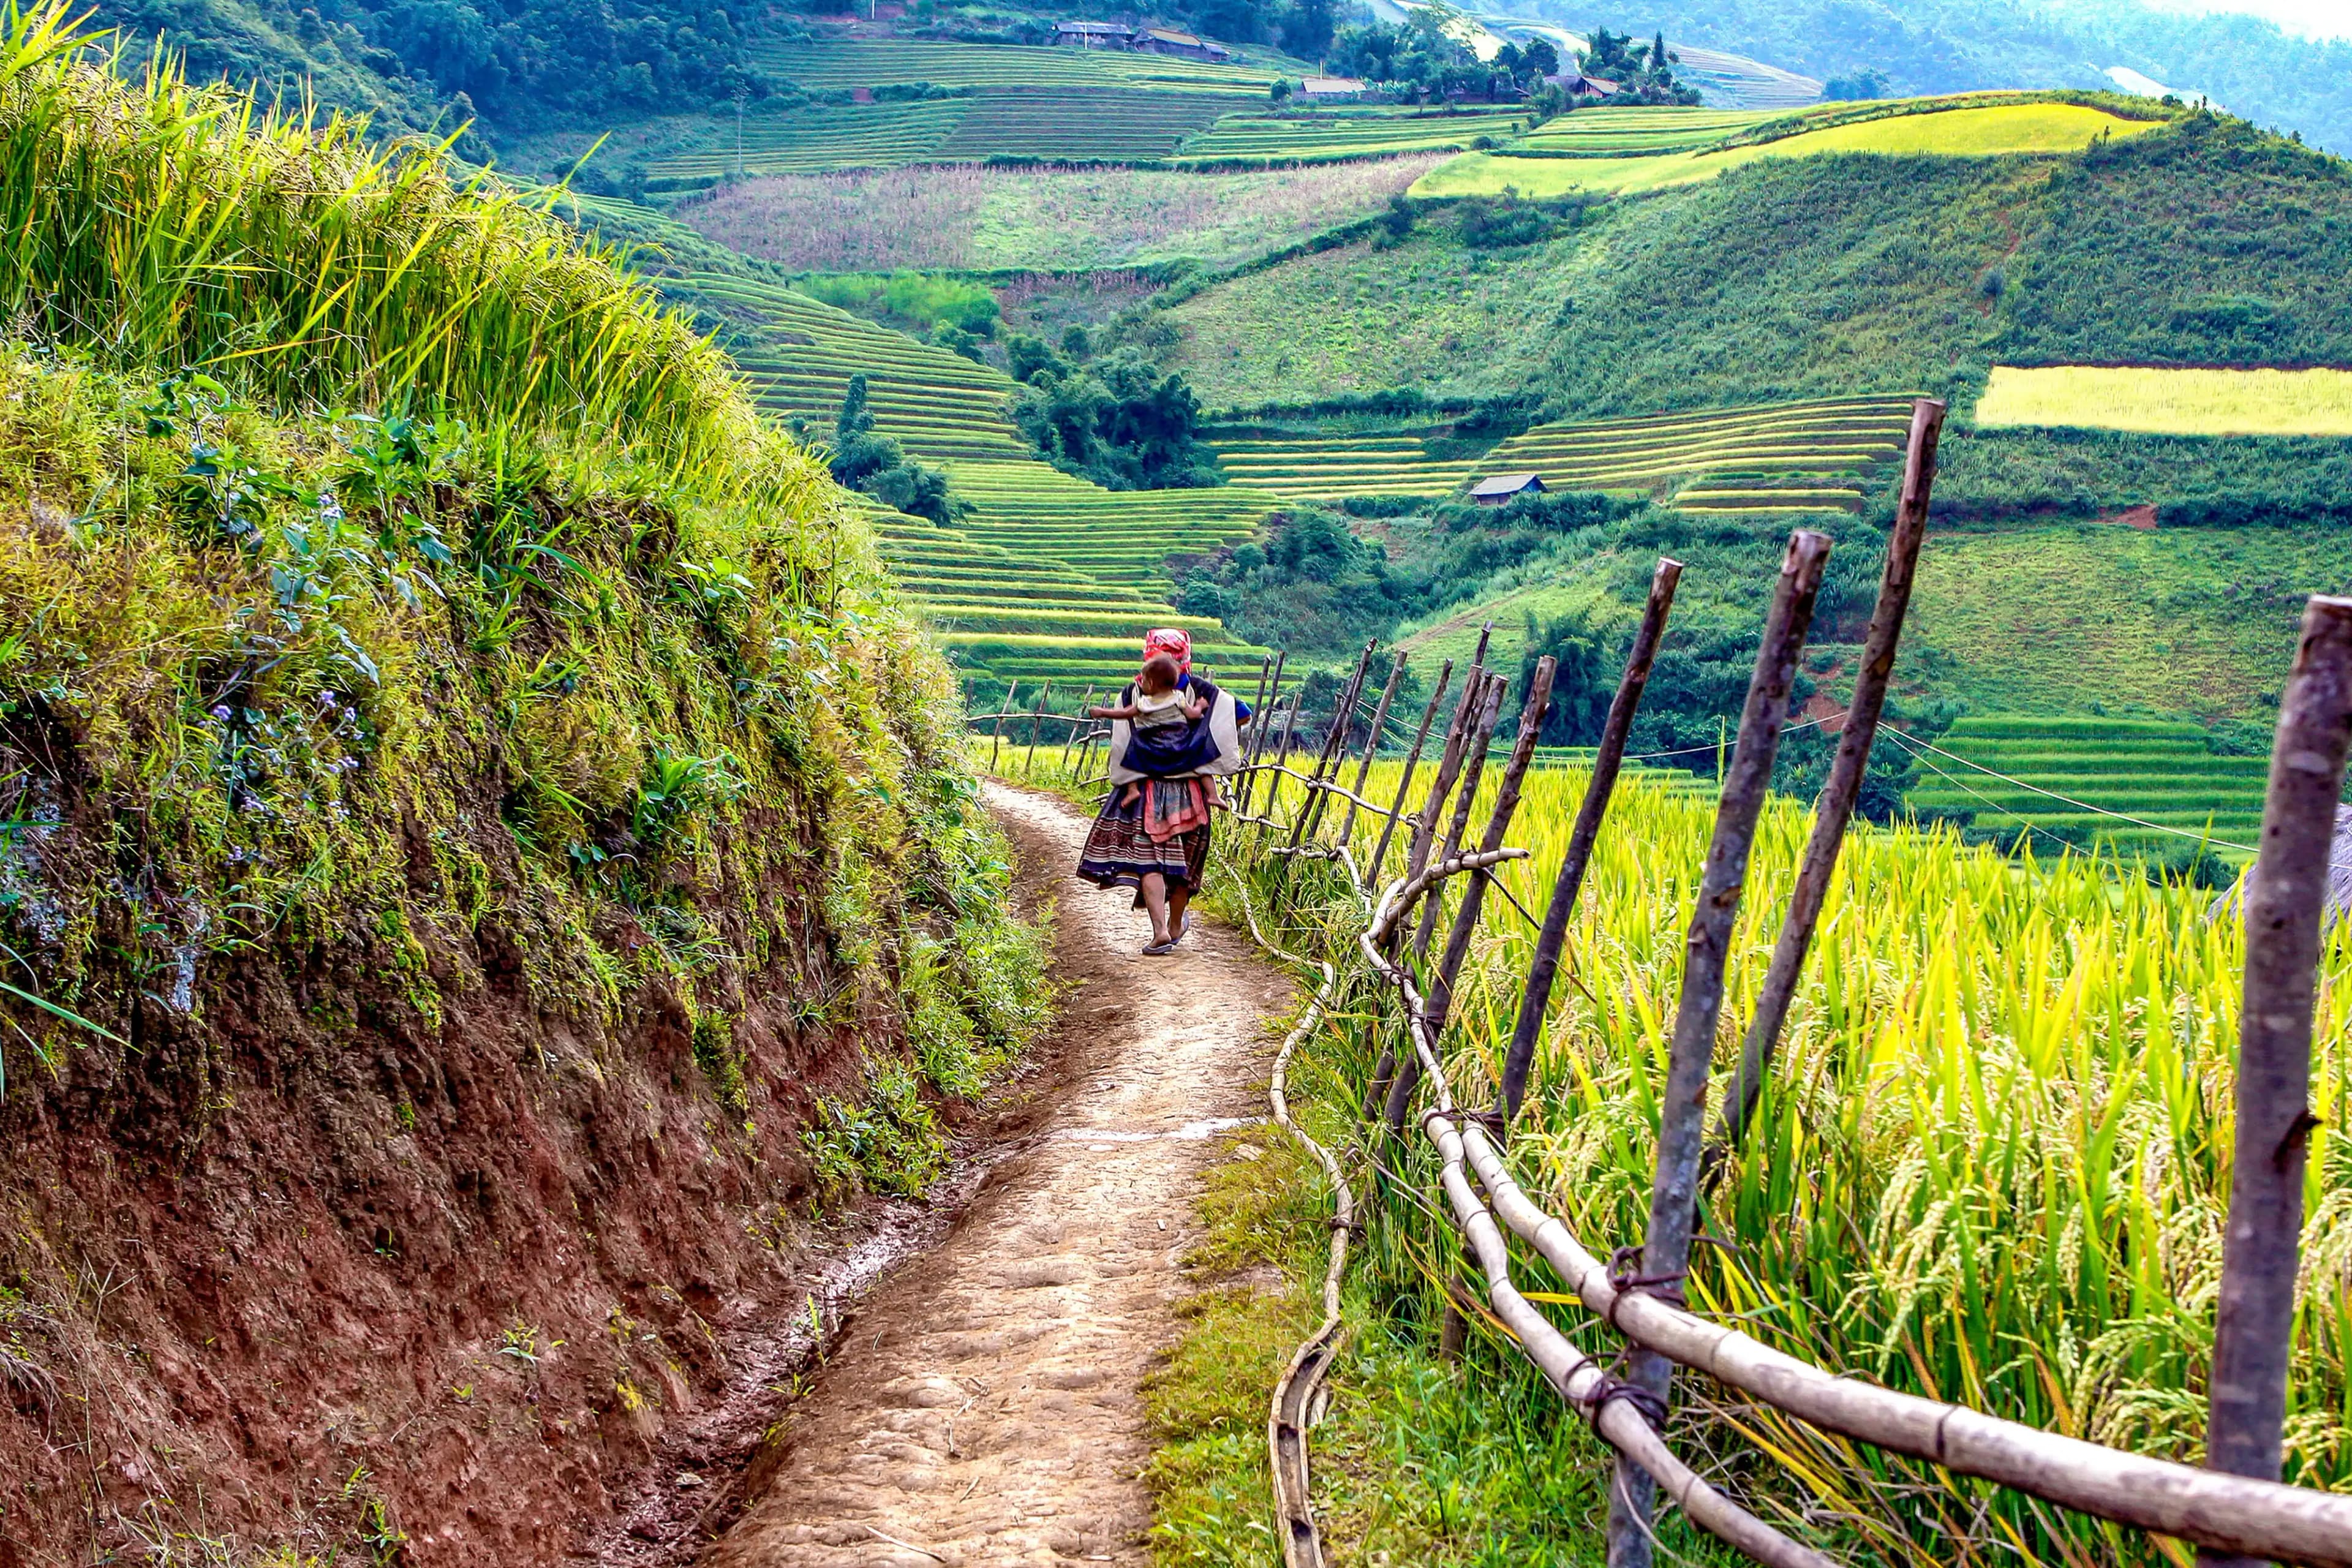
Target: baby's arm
1195 709
1127 710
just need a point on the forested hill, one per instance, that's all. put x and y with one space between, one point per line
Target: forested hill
423 65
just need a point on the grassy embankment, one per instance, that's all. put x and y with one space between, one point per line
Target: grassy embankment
529 479
447 740
1990 1169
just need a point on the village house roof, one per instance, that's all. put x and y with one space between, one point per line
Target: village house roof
1506 485
1329 86
1097 29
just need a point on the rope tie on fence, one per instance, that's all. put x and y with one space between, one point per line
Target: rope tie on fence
1622 1280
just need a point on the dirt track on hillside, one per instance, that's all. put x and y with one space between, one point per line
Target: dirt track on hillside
983 1407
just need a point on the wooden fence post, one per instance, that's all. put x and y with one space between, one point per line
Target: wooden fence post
1490 710
1440 1000
1411 761
1474 768
1261 725
1036 724
1372 745
1834 809
1281 757
1077 722
1587 832
996 733
2285 905
1674 1192
1343 711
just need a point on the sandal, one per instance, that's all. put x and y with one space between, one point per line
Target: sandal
1160 949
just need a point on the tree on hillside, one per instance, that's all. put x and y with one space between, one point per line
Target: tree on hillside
865 460
1117 420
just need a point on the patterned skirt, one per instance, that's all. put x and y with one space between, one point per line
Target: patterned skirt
1119 852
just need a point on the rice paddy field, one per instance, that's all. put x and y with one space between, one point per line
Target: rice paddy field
1343 133
2162 773
1991 1166
1796 457
1026 120
1987 132
2169 401
968 217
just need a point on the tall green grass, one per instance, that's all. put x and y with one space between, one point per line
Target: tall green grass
1991 1168
180 225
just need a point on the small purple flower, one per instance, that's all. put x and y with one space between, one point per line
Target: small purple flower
220 711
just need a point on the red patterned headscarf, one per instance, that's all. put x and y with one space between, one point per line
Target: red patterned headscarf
1176 644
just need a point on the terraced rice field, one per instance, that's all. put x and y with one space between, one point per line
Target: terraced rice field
1774 459
856 63
1784 457
1106 123
1636 130
2177 402
939 405
2158 772
1050 576
1347 133
1981 131
1119 536
1333 467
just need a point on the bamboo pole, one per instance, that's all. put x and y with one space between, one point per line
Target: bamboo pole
1411 761
1834 809
1541 973
1673 1193
1343 725
2285 902
2263 1518
1373 743
1440 1000
1474 767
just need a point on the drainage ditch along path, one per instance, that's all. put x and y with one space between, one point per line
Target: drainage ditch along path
982 1407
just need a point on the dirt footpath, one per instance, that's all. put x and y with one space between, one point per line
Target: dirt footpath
984 1406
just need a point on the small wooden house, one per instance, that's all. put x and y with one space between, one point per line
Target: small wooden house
1093 35
1183 46
1331 87
1504 488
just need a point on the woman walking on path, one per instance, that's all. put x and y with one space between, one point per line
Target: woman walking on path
1155 838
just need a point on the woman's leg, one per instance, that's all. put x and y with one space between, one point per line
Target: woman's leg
1154 889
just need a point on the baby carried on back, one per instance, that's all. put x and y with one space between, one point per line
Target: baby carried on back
1173 732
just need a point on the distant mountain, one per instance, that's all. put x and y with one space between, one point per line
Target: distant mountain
2244 63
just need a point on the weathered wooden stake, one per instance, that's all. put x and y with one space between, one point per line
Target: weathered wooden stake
1586 833
1474 768
1440 998
1077 722
1036 725
1372 745
2285 905
1834 809
996 733
1281 757
1343 711
1261 727
1424 831
1490 712
1405 780
1674 1192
